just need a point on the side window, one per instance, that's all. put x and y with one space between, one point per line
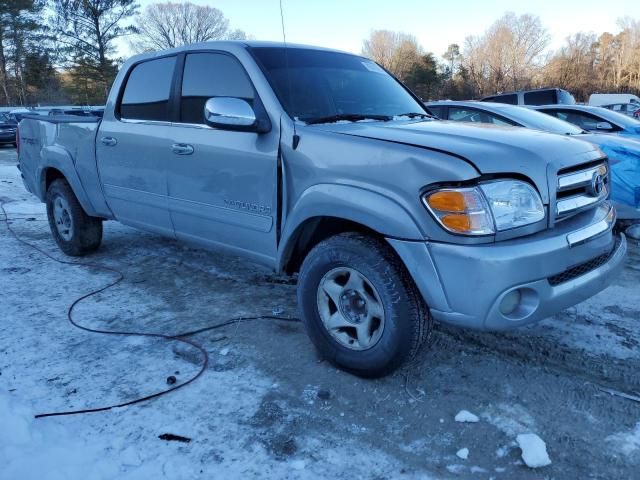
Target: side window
459 114
555 113
583 120
146 94
497 120
511 99
208 75
540 97
437 111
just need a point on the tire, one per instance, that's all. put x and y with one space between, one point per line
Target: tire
336 320
75 232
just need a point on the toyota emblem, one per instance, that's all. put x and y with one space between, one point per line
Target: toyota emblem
597 185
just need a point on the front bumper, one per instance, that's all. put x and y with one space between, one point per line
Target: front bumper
468 285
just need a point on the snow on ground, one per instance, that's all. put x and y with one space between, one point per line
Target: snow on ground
466 416
463 453
267 407
534 450
626 442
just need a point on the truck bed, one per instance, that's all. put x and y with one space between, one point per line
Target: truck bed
63 143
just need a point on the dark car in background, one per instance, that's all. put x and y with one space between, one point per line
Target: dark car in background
8 125
538 96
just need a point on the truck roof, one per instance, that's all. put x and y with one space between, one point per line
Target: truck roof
228 45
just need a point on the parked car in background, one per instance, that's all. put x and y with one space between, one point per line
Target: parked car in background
624 154
6 117
538 96
320 162
77 111
628 109
19 113
595 119
7 129
601 99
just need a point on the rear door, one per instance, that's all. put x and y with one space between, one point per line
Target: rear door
222 184
133 147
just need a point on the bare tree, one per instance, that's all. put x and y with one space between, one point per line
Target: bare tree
608 63
396 51
169 25
574 66
508 55
452 57
401 54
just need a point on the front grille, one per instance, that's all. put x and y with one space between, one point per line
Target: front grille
581 188
583 268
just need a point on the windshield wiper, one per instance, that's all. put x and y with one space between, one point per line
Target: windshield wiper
350 117
414 115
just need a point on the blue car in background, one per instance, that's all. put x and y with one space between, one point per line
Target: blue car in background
623 153
595 119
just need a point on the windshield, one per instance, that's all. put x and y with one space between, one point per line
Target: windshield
541 121
318 84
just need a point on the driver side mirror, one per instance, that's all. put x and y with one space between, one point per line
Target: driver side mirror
230 113
606 126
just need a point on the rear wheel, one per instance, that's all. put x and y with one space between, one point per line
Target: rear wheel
360 308
75 232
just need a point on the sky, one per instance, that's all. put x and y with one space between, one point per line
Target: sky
344 24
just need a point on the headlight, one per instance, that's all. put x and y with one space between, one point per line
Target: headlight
487 208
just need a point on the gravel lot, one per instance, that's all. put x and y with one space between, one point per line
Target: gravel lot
267 407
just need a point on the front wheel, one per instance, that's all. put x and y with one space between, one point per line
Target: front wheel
75 232
359 306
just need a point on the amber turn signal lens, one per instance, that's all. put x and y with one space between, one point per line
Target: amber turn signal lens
457 222
447 201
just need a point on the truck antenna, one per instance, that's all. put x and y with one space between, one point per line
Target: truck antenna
296 138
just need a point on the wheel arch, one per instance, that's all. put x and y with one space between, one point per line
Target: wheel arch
324 210
58 164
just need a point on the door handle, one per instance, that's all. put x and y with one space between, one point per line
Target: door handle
109 141
182 149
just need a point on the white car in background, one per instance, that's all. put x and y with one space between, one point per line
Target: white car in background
602 99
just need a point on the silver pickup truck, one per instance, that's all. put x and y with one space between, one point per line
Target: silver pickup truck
319 162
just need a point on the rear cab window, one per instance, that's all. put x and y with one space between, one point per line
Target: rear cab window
147 91
511 99
208 75
540 97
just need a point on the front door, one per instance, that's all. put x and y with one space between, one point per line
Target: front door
133 148
222 184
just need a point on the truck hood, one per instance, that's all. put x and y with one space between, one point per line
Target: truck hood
490 149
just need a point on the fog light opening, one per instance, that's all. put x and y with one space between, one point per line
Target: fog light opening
510 302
